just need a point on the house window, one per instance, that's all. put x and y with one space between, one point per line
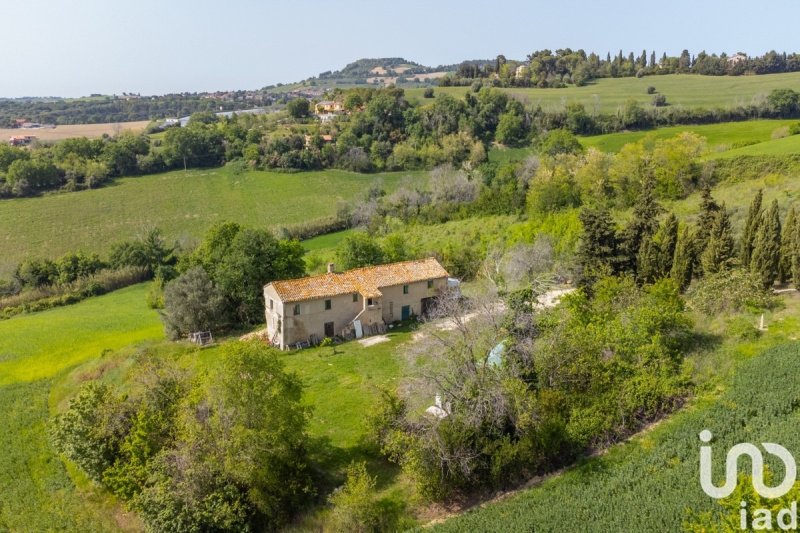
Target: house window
271 304
297 309
355 296
405 289
430 283
369 301
327 305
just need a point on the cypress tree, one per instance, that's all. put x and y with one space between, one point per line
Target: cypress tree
767 247
788 240
668 239
654 260
642 226
754 215
683 260
598 252
719 251
647 267
796 255
708 213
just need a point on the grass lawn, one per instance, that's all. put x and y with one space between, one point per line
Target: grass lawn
688 90
36 494
183 204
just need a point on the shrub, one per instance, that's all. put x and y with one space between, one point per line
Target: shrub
729 291
428 93
659 100
354 507
651 90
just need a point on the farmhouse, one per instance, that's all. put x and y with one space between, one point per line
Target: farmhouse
349 304
328 106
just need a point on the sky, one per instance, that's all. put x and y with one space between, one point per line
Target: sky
78 47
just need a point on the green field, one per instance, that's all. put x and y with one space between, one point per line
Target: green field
649 483
183 204
720 137
786 145
45 357
606 95
36 494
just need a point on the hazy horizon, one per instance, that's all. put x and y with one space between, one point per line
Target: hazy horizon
89 46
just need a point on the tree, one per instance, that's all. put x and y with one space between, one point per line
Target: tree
767 246
83 433
260 423
788 243
240 261
642 226
149 251
705 223
511 130
359 250
559 141
719 251
655 257
298 107
598 251
683 260
193 303
28 175
754 214
784 102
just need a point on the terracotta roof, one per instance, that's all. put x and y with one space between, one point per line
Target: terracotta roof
366 281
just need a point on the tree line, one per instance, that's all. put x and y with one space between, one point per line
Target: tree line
562 67
107 109
382 132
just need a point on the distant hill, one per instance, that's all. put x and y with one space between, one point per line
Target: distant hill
369 71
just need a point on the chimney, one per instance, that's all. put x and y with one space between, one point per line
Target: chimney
330 268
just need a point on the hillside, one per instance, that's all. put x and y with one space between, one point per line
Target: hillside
648 479
687 90
183 204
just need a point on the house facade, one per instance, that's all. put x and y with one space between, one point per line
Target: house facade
348 304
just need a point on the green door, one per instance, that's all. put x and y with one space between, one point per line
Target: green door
405 312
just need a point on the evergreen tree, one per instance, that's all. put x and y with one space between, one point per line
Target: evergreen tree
788 246
767 247
647 261
795 258
719 251
708 213
683 261
598 252
642 226
654 260
751 228
668 239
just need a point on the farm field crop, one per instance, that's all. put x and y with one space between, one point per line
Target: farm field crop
182 203
650 483
36 493
75 130
607 94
